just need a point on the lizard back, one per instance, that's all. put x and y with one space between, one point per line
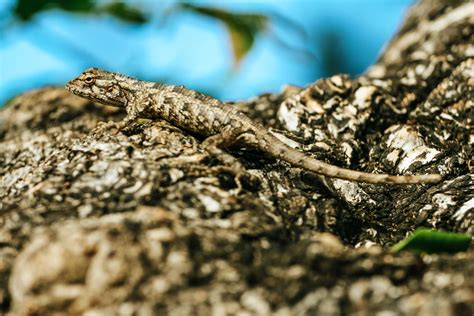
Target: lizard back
189 109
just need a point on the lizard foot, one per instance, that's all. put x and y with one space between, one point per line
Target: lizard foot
106 127
243 180
215 146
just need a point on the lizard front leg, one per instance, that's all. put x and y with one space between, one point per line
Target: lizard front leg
122 126
128 125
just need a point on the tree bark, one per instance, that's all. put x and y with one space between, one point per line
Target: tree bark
103 222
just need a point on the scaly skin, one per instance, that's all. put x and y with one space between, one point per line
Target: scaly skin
204 115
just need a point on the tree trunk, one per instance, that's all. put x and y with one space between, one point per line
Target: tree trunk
100 221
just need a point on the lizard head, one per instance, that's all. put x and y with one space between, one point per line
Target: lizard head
102 86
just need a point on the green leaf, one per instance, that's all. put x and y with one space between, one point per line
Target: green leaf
125 12
433 241
243 28
26 9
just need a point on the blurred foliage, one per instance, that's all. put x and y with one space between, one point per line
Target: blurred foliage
434 241
124 12
242 27
25 10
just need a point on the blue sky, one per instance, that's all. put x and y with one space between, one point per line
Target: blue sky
189 49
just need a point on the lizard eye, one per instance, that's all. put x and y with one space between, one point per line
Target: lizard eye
89 79
110 88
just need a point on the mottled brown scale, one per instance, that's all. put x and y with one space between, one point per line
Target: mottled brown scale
220 122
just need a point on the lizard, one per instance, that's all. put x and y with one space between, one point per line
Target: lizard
221 123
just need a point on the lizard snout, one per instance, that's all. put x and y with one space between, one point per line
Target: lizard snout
73 85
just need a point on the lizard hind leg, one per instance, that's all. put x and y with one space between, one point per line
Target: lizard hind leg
215 146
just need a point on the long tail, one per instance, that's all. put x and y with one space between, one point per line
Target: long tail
296 158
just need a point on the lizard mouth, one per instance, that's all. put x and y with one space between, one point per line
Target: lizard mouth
71 87
74 89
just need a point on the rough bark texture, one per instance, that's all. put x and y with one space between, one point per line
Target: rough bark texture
98 222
